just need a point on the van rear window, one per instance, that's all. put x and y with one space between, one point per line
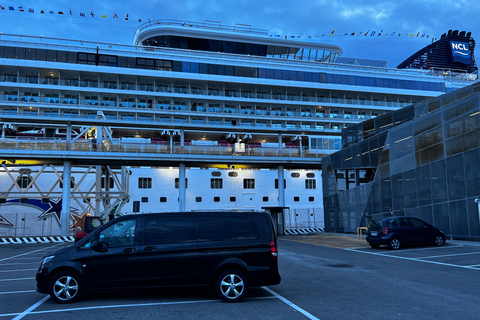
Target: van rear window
226 229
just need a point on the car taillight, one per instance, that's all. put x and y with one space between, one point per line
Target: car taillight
385 231
273 250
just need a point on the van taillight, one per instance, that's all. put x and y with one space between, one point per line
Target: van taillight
385 231
273 250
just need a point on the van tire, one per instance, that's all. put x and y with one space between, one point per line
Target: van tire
231 285
66 287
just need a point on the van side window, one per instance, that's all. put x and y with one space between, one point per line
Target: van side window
119 234
226 228
170 230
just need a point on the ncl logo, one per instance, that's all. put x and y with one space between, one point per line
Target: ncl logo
460 52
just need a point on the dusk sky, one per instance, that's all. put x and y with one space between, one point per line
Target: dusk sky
283 17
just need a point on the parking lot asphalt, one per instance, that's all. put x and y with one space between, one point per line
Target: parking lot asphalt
324 276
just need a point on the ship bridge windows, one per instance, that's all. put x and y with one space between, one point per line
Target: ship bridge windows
86 58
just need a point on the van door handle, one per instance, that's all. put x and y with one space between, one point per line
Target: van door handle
129 250
150 248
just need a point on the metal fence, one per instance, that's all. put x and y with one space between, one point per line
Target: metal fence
304 218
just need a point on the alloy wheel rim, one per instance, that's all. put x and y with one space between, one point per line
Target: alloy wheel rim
439 241
232 286
395 244
65 288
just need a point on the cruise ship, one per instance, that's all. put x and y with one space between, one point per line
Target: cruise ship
191 116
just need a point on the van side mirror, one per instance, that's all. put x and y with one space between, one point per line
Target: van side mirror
96 246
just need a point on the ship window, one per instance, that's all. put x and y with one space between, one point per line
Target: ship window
111 183
265 199
277 74
229 71
284 183
144 199
86 58
9 52
296 199
233 174
233 199
62 56
32 54
269 73
177 66
194 67
216 174
144 183
136 206
216 199
295 175
198 199
310 175
203 68
177 183
20 53
41 54
24 181
163 199
310 184
311 199
212 69
216 183
72 182
249 183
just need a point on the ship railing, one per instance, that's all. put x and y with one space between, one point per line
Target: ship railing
151 88
215 25
107 146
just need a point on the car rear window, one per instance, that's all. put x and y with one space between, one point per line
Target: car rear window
375 225
226 229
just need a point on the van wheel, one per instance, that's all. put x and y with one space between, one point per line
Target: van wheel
66 287
231 285
394 244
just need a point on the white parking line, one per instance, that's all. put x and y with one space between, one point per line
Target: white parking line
18 270
16 264
24 313
23 254
13 292
291 304
427 248
414 259
449 255
17 279
116 306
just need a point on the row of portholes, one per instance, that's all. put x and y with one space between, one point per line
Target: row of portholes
235 174
232 199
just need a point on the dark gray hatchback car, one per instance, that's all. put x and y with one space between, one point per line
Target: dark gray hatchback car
396 232
228 251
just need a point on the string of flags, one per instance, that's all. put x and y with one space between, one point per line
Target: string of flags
369 33
127 17
81 14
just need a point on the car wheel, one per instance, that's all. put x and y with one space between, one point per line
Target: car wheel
66 287
394 244
231 285
439 240
373 245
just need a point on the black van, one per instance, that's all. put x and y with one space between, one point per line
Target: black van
229 251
